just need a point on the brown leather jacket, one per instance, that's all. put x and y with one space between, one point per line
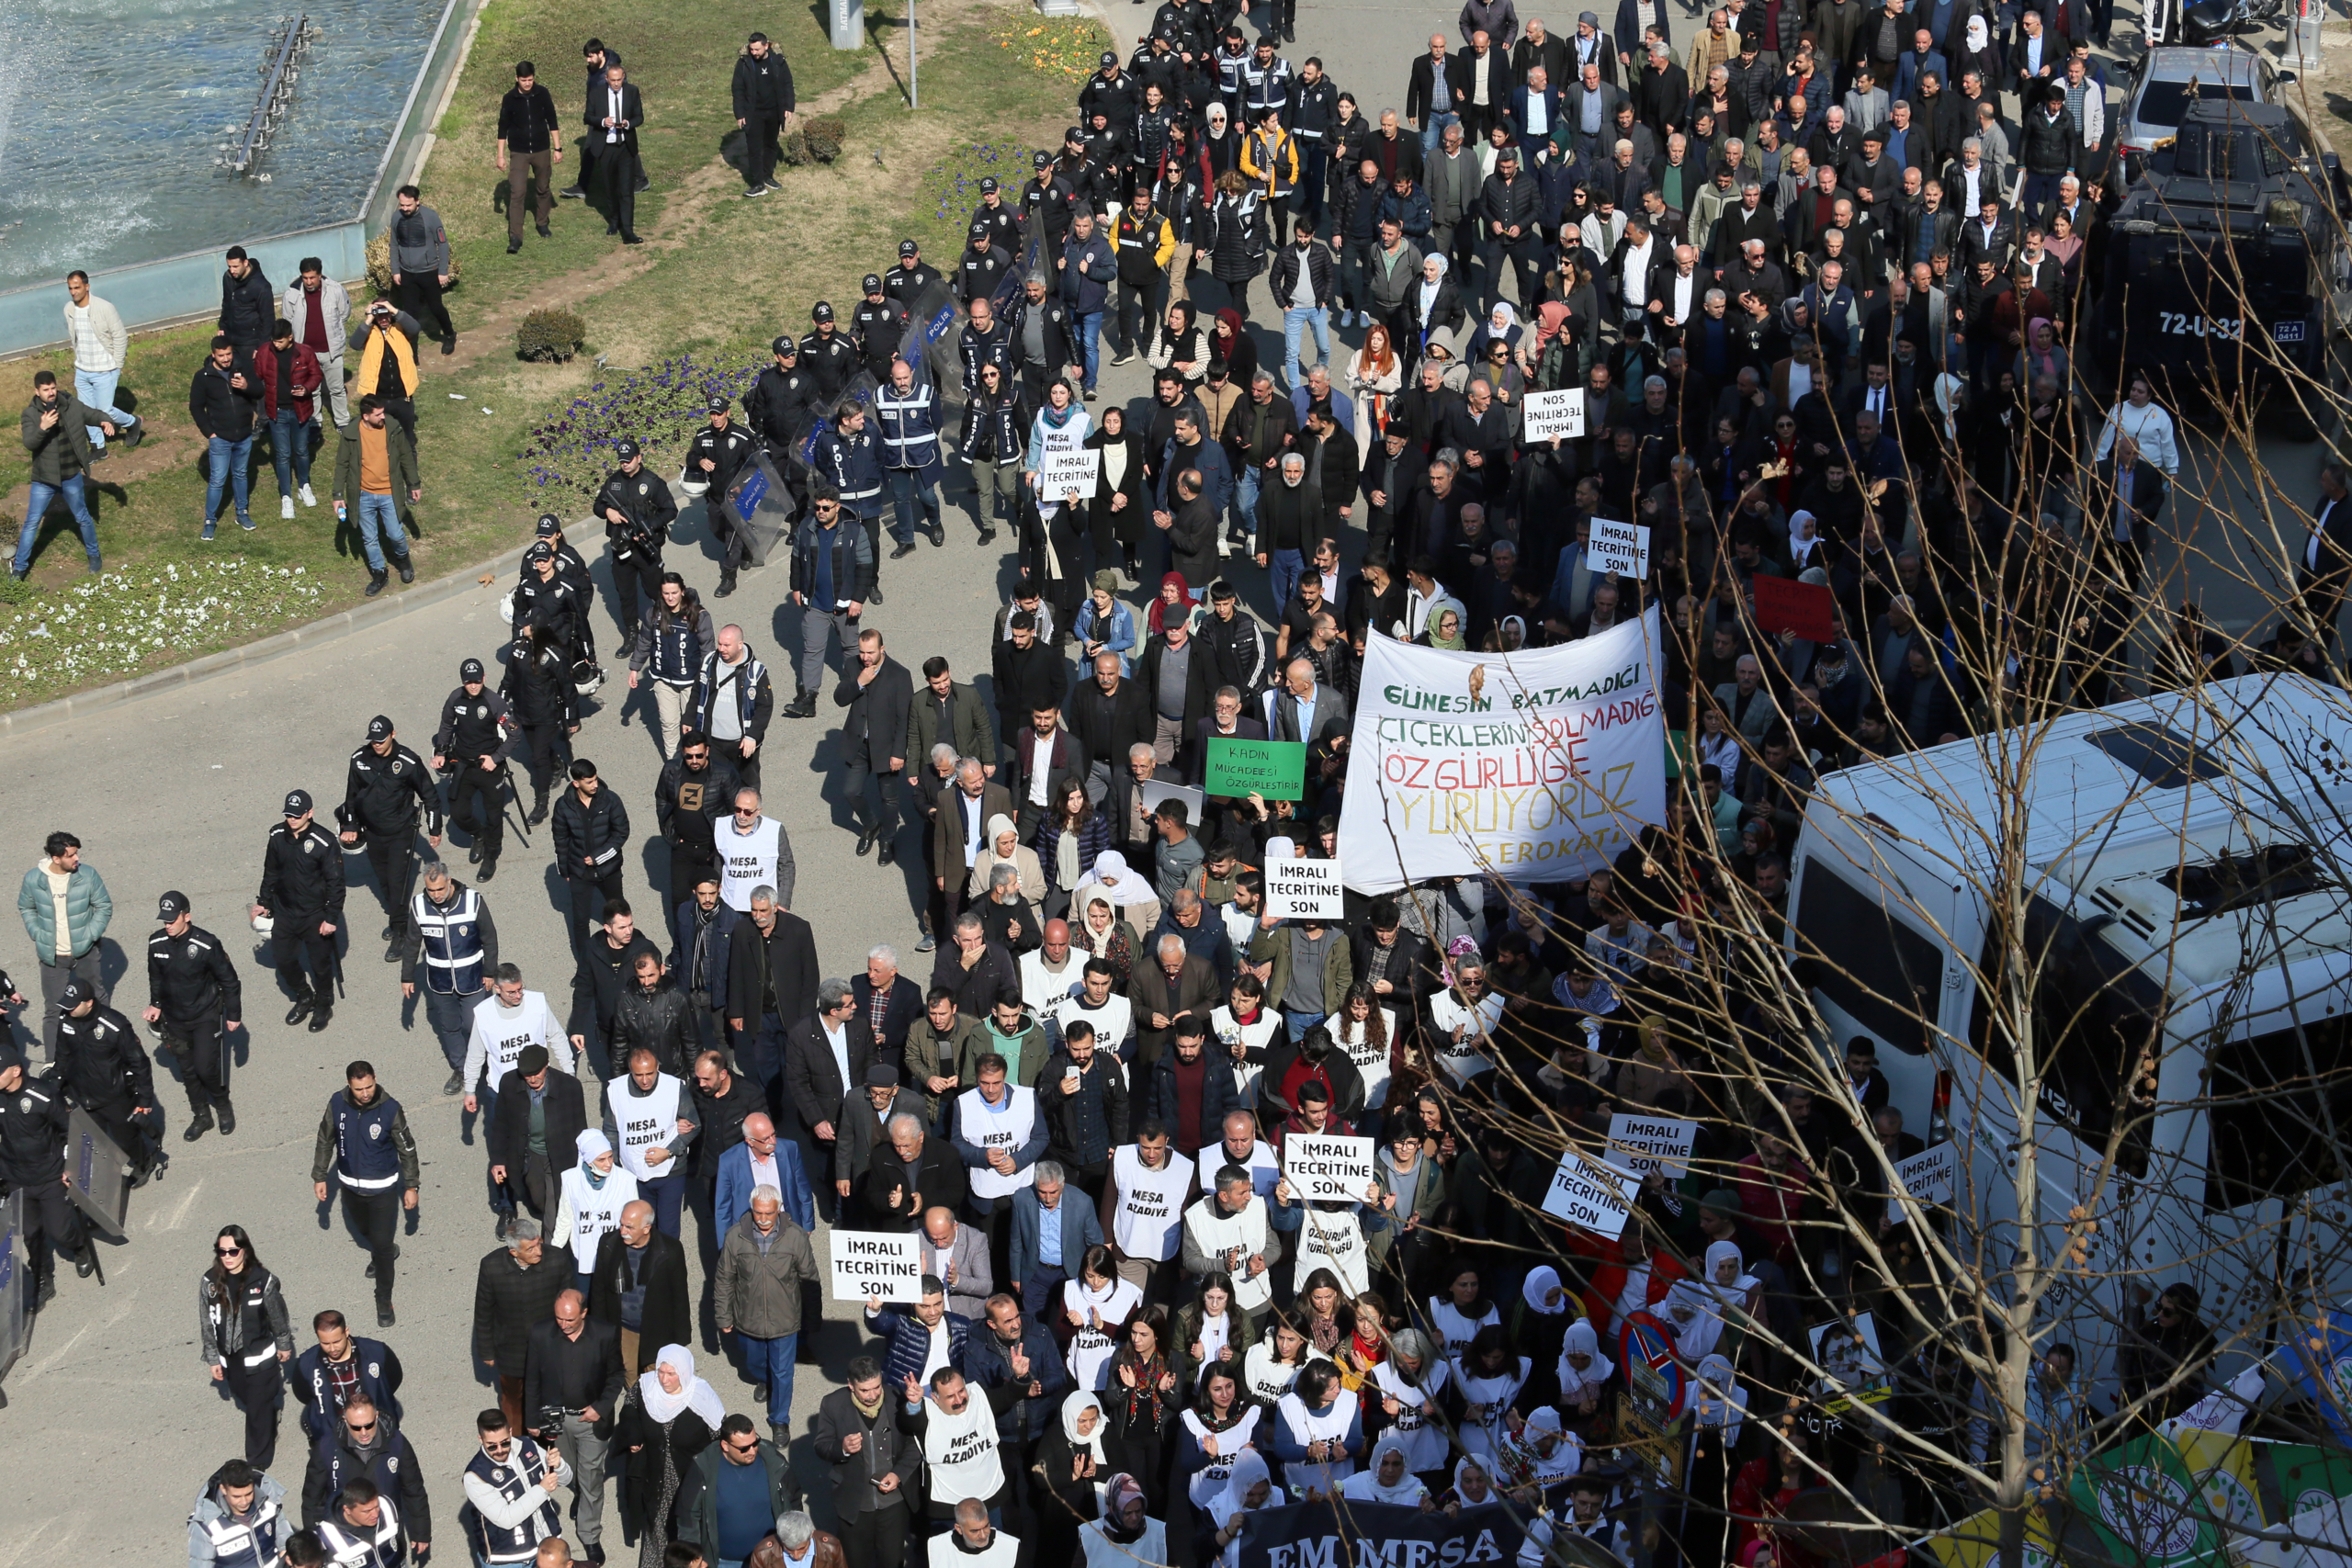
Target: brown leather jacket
769 1553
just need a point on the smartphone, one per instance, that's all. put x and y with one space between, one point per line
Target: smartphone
1071 1075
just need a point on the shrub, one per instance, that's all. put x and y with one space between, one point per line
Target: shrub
550 336
816 138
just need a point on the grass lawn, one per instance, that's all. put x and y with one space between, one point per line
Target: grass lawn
695 306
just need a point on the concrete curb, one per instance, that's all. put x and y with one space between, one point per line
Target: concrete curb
360 617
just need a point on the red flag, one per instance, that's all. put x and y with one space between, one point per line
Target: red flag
1804 608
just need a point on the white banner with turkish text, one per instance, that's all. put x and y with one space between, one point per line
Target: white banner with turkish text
876 1264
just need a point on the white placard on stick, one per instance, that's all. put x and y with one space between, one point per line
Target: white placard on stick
1059 473
1642 1144
1298 888
1326 1170
1559 414
1594 1198
1622 548
868 1264
1926 1176
1155 791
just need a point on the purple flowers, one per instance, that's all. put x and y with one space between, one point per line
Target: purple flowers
654 405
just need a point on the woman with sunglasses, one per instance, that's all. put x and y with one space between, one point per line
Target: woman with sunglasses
244 1335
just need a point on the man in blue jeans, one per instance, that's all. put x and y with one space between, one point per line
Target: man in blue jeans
1302 278
223 402
1089 268
763 1262
58 439
100 345
374 468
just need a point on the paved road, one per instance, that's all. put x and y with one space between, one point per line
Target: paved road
179 791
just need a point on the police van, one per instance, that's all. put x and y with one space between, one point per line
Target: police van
2225 265
2185 901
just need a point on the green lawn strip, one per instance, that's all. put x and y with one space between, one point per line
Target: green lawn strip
707 308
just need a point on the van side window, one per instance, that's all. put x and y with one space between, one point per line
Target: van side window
2094 1022
1883 974
2280 1110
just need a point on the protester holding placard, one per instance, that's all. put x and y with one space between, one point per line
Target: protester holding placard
1413 1189
1231 1233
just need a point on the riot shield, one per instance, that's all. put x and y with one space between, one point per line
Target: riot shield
761 508
14 1279
929 346
97 1173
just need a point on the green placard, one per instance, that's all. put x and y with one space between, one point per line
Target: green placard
1275 769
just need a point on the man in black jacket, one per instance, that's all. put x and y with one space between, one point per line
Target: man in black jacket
1028 676
529 147
1302 278
301 889
771 986
1174 730
515 1292
248 304
1509 227
519 1160
876 694
386 789
223 401
638 509
813 1077
572 1390
615 112
366 1442
763 106
591 833
639 1285
193 995
832 577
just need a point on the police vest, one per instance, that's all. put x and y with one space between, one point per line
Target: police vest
962 1452
251 1544
1150 1219
746 861
520 1474
988 1128
1218 1233
594 1211
353 1546
452 932
1209 1480
908 426
644 1121
676 650
364 1159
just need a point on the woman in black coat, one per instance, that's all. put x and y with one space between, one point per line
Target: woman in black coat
655 1454
1431 306
1236 239
1073 1458
1120 509
1140 1397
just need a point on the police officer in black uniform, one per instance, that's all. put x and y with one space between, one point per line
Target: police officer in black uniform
301 891
1001 219
980 272
570 565
546 598
475 739
828 357
1047 202
105 1070
906 283
782 404
194 996
32 1161
638 510
365 1145
386 790
539 688
717 456
453 961
879 324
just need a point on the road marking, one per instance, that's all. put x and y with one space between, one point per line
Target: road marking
180 1210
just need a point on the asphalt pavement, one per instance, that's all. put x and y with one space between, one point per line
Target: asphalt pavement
111 1426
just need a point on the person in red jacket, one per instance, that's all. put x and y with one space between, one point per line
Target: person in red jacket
290 379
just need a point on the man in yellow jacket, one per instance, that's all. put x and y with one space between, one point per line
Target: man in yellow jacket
1144 241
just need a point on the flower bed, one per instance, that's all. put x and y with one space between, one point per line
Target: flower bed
114 627
952 186
570 453
1067 49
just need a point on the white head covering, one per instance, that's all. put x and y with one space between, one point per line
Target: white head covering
1719 1401
592 1144
1124 887
1248 1469
1540 1281
692 1393
1076 1405
1469 1463
1364 1485
1979 34
1565 1460
1581 1340
999 825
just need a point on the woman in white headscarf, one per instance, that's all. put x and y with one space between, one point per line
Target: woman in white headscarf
667 1417
1473 1486
1583 1371
1434 310
1701 1310
1073 1464
1388 1478
1130 891
1718 1406
595 1191
1002 846
1538 1320
1250 1487
1542 1453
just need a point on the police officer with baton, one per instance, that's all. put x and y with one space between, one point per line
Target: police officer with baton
476 737
32 1161
302 893
715 456
194 995
387 788
636 510
105 1070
